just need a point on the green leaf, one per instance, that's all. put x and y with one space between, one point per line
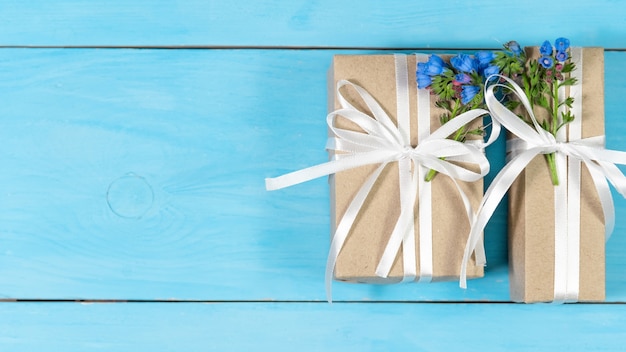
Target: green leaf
526 81
444 118
534 80
443 104
512 104
568 67
477 132
567 102
567 117
568 82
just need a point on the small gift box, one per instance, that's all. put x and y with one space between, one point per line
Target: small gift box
437 253
557 233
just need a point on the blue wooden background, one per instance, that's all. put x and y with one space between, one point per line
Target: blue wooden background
135 137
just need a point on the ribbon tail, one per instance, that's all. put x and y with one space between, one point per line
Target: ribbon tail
400 230
469 212
425 226
493 196
615 176
408 243
344 226
479 252
325 169
604 193
481 258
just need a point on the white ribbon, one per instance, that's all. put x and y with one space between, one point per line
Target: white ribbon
425 209
567 196
382 142
533 141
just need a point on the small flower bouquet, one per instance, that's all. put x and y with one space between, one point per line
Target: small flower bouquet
459 85
541 80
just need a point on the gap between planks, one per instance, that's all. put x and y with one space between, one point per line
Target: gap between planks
248 47
95 301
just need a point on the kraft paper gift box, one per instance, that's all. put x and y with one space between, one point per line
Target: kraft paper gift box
368 237
532 208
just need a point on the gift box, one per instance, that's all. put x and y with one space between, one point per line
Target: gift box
360 254
532 209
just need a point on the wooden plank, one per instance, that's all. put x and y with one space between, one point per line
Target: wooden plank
310 327
353 23
138 174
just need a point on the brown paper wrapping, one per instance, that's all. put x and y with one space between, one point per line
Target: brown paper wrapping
366 242
531 209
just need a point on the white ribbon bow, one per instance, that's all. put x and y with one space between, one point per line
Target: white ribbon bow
382 142
535 141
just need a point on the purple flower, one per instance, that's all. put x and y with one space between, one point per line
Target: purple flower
514 47
484 58
546 61
491 70
561 56
462 78
464 63
423 81
468 93
546 48
561 44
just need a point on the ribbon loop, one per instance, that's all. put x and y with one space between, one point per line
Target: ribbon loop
533 141
381 142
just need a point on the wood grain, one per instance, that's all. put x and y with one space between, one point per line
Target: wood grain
178 143
136 174
323 23
310 327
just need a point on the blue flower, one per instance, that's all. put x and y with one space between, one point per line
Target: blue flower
514 47
468 93
436 60
491 70
423 81
433 67
561 44
462 78
561 56
484 58
546 48
464 63
546 61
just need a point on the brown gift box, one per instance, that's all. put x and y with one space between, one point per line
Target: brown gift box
531 209
368 237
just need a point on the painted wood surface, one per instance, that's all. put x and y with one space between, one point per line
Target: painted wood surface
134 174
323 23
311 327
138 174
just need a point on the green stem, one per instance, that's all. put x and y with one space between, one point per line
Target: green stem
458 136
554 176
554 124
555 106
431 174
